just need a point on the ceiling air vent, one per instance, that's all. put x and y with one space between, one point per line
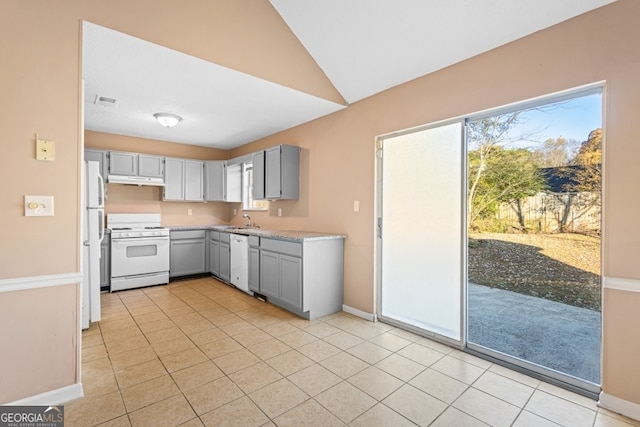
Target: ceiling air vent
105 101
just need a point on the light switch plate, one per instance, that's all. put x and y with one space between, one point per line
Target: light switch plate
38 205
45 150
356 205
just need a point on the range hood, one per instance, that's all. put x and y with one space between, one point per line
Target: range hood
135 180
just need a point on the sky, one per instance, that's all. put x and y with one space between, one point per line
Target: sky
572 119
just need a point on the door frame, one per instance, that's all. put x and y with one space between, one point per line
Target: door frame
528 368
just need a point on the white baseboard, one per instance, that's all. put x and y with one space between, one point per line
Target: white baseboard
621 406
368 316
629 285
23 283
53 397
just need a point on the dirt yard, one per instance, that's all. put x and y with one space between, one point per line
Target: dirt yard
558 267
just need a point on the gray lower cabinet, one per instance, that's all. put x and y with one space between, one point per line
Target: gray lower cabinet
269 277
225 257
214 253
220 255
254 263
281 272
188 253
304 277
105 263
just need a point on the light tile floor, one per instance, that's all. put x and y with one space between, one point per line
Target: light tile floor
198 352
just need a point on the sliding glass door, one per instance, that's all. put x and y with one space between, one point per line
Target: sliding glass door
489 235
420 225
534 208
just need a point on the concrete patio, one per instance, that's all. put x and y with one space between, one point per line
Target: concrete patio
554 335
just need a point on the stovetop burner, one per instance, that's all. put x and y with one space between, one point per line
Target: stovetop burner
136 225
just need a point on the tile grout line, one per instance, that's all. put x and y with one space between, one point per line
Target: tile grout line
189 293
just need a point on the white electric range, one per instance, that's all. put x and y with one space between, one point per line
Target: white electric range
139 250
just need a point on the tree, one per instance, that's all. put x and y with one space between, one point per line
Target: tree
589 159
581 191
495 173
483 137
510 175
556 152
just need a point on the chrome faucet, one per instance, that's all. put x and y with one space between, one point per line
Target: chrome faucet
248 222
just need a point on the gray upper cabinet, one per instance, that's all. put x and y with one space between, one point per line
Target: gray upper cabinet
280 176
258 175
183 180
233 182
222 181
173 179
134 164
151 166
194 176
100 156
214 181
121 163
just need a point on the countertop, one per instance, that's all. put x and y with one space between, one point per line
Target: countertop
273 234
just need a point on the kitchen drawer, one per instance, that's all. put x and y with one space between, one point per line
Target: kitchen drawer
188 234
254 241
225 238
282 246
215 235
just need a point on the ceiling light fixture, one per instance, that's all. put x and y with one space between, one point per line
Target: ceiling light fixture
167 119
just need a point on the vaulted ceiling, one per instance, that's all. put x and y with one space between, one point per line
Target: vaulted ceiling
363 47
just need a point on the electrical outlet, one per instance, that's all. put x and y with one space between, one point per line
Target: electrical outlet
189 212
279 211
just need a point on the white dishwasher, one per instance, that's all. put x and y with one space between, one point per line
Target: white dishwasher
240 262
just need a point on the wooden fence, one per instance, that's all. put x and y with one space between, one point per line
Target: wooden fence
556 212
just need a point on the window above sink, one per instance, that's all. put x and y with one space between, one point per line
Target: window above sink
248 202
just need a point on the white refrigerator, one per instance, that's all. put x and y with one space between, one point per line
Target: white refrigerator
93 233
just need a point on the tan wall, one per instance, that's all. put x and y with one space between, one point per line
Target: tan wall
134 199
40 84
338 151
39 332
601 45
622 349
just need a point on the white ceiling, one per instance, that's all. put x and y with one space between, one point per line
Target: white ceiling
219 107
363 46
367 46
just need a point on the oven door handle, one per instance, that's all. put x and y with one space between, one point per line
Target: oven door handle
140 239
